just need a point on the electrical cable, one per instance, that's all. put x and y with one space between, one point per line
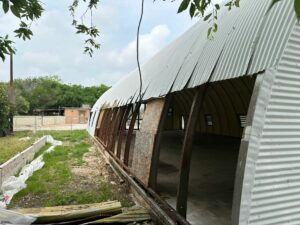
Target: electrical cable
137 52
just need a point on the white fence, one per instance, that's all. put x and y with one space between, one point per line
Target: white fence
36 123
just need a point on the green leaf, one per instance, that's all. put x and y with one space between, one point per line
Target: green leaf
5 5
217 6
272 4
297 9
207 17
15 11
183 6
237 3
192 10
209 32
197 4
215 29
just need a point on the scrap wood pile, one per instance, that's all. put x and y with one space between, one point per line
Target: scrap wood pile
99 213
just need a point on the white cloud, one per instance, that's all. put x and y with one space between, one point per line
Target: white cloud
55 49
150 44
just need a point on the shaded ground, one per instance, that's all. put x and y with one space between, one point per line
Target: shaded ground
73 174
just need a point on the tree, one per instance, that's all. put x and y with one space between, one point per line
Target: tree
29 11
49 92
4 109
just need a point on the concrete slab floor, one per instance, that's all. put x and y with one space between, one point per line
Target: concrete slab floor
211 177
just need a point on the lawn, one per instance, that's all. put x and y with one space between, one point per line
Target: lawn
57 184
12 145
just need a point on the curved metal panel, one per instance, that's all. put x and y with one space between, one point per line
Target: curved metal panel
250 39
270 191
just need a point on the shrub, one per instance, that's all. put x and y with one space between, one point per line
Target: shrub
4 109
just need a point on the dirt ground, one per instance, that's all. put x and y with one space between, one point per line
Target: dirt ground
93 173
95 170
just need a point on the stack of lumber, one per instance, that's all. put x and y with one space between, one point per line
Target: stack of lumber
99 213
136 214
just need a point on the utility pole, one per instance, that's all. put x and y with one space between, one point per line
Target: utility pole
11 91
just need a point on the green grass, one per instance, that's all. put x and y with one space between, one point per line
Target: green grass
55 183
12 145
42 150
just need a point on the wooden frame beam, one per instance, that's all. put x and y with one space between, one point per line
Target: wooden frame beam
186 154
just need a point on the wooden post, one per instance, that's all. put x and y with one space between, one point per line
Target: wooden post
11 91
130 132
157 143
121 134
186 153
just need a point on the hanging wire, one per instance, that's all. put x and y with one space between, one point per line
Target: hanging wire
137 51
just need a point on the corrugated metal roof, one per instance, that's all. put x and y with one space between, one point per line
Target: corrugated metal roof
271 183
250 39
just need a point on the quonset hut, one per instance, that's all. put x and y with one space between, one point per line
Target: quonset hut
217 133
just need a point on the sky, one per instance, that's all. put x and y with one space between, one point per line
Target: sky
55 49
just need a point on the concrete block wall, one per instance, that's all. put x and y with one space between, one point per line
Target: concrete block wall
38 120
12 166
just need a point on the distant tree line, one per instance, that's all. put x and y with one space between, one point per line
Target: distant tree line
44 93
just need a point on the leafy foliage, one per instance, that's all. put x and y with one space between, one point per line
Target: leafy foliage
27 11
297 8
49 92
30 10
4 109
199 8
89 30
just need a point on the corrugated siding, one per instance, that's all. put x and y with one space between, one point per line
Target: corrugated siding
275 189
250 39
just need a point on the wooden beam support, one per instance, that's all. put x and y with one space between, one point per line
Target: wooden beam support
121 134
157 142
115 112
106 128
116 128
130 132
186 153
100 131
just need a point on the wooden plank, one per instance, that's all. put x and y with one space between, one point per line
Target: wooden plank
157 142
186 153
60 214
130 132
131 215
121 134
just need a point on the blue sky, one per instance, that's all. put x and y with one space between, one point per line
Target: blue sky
56 50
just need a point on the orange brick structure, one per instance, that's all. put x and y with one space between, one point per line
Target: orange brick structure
76 115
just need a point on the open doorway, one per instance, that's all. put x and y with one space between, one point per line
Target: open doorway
215 153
